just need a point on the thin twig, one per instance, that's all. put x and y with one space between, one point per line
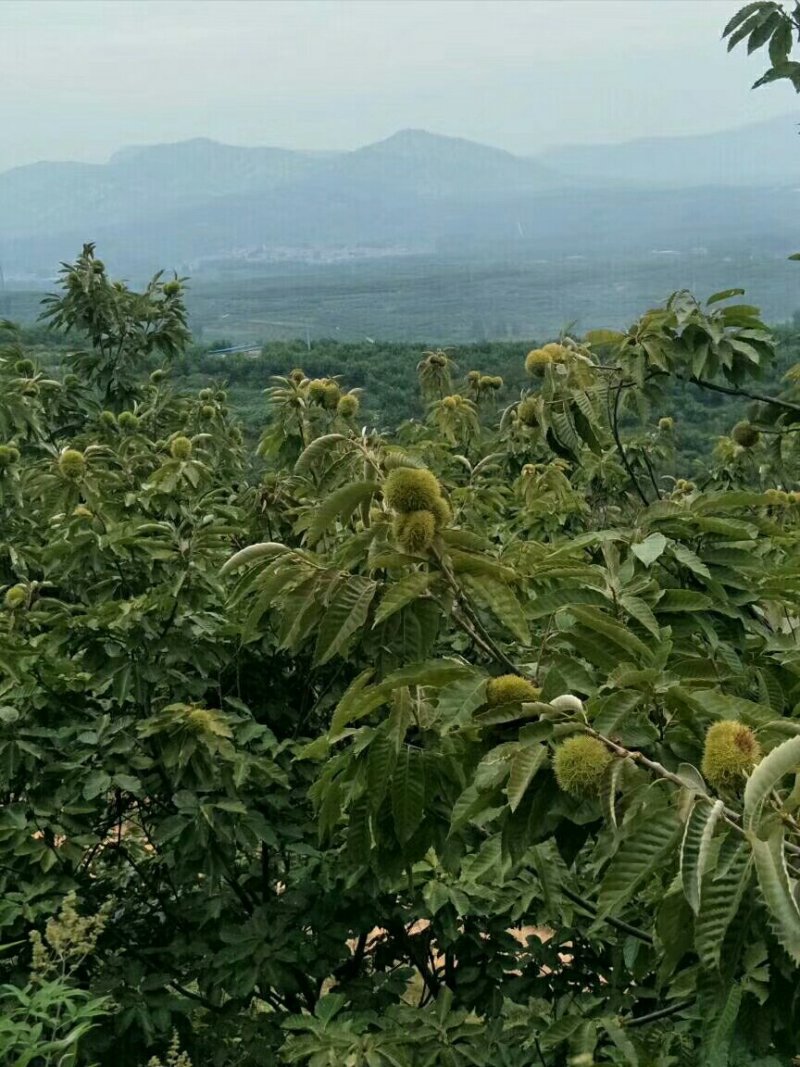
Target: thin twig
653 481
730 816
614 412
662 1013
476 629
618 924
763 398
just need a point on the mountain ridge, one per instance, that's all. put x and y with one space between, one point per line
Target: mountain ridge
416 190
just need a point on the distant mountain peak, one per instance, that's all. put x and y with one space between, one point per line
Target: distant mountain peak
413 140
191 144
415 135
410 133
200 200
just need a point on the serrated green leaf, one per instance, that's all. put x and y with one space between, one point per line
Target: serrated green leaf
344 614
650 549
356 702
339 505
96 783
500 600
471 802
381 759
330 809
401 593
582 1044
719 1033
318 448
612 631
264 550
762 32
607 712
584 427
689 559
567 434
728 528
639 610
621 1040
418 626
408 793
551 871
458 701
648 843
560 1031
695 846
608 796
301 610
473 564
436 672
435 896
721 895
569 596
528 760
766 777
725 706
726 294
604 337
488 860
777 889
359 841
680 600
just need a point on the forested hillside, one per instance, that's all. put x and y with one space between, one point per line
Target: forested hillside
480 294
387 373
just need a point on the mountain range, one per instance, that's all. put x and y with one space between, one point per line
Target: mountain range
197 204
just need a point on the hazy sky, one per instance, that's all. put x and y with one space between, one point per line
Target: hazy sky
82 78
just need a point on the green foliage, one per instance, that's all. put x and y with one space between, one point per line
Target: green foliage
45 1017
381 747
770 25
124 328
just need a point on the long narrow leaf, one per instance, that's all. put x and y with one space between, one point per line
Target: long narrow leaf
776 888
694 849
647 845
766 776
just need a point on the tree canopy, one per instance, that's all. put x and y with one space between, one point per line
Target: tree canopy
471 741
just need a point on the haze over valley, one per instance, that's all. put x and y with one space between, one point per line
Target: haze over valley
494 176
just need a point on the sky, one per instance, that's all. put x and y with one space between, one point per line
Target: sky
83 78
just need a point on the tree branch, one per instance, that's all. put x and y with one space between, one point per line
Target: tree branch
662 1013
787 405
618 441
618 924
730 816
474 628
